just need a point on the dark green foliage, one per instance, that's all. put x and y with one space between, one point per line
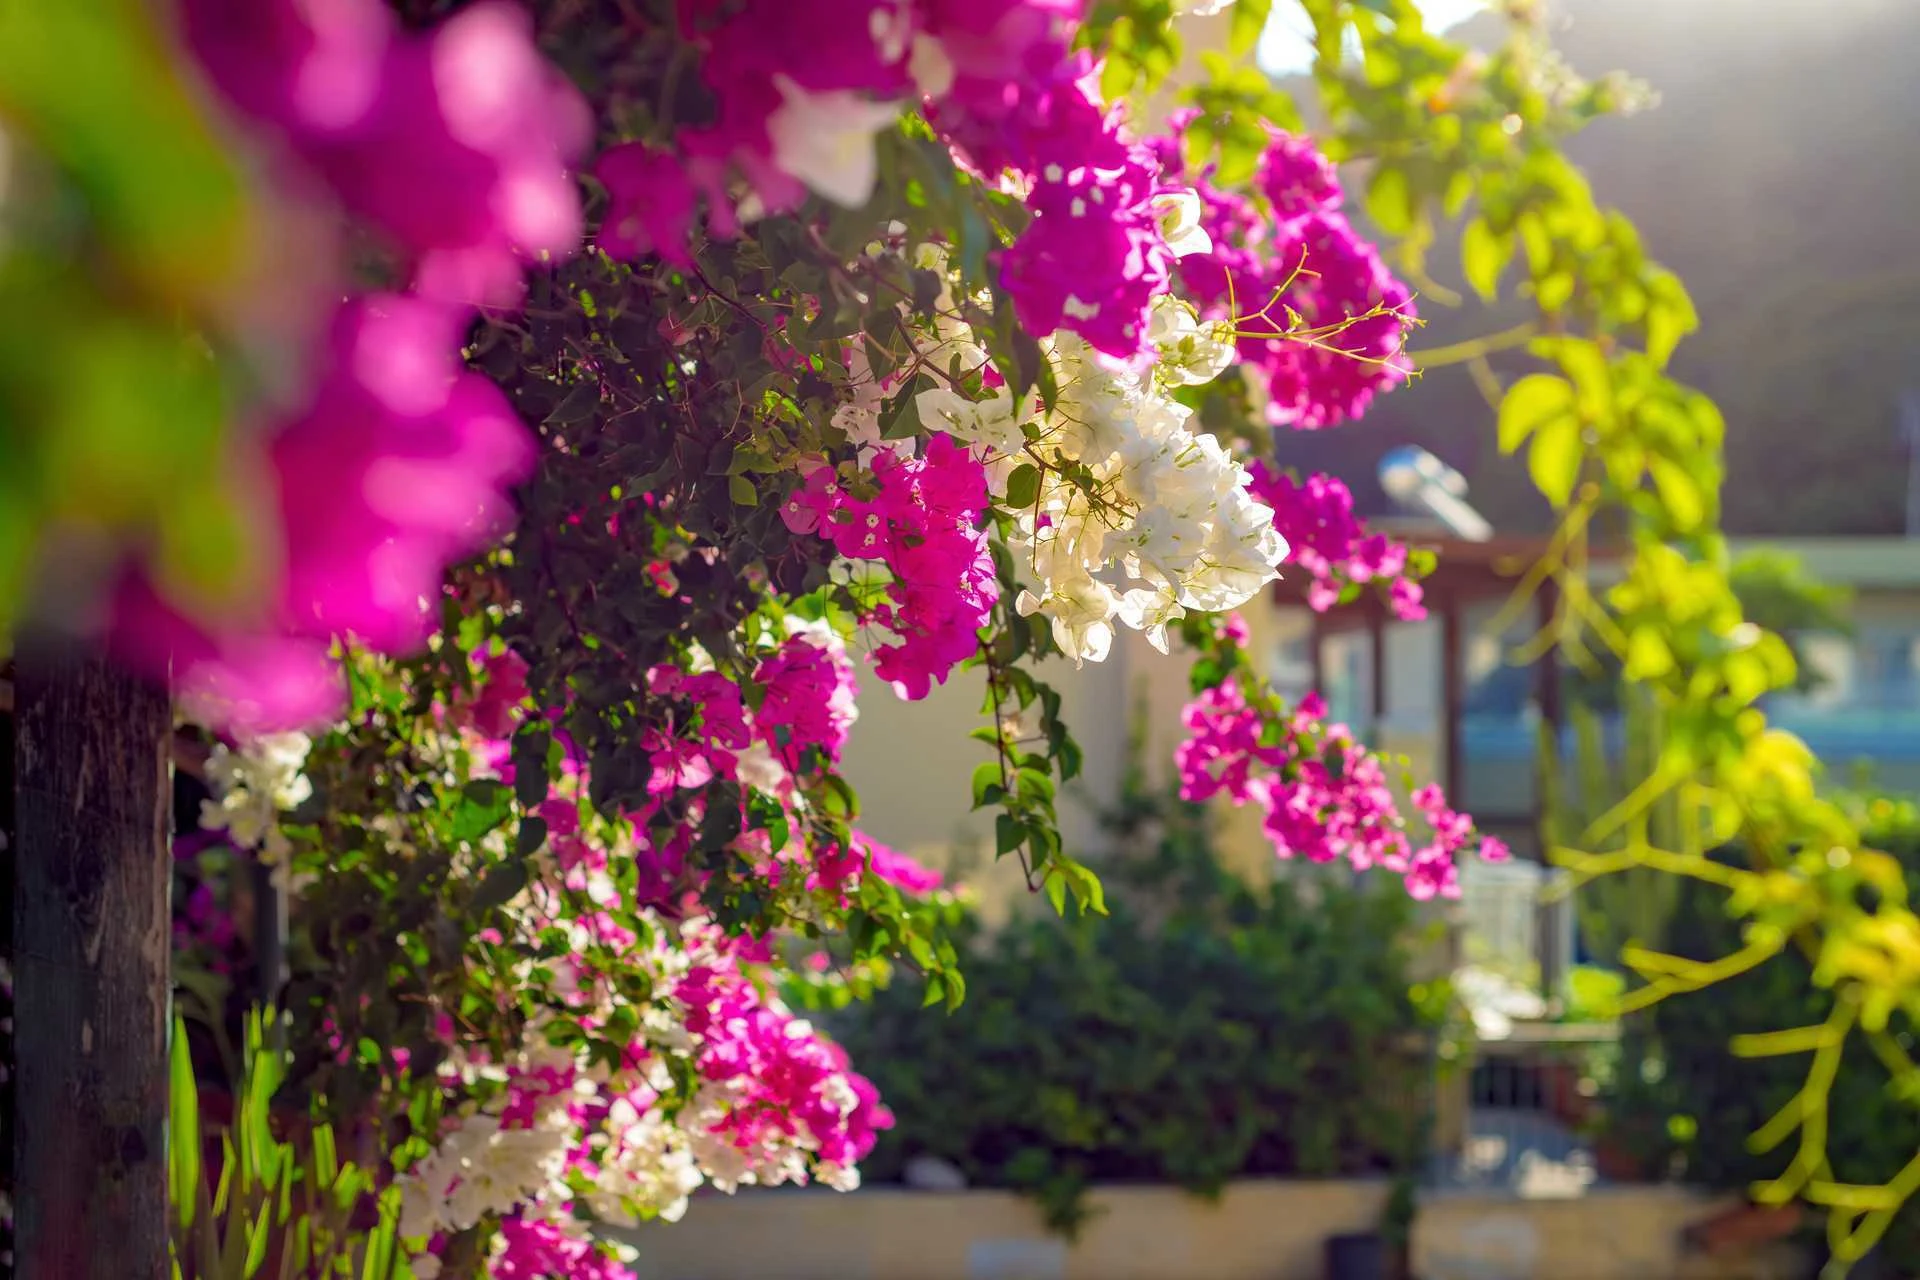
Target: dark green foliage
1203 1032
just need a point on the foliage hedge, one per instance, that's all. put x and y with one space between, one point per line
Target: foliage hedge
1204 1031
1684 1104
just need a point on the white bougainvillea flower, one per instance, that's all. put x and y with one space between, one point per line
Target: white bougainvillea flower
1178 213
826 140
1188 352
1150 612
994 421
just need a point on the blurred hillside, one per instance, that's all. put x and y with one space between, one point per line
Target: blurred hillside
1779 175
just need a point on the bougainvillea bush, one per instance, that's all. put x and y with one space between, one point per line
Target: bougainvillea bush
523 432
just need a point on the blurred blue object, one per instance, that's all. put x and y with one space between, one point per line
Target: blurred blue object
1423 485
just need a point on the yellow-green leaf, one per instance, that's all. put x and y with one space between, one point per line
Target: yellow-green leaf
1483 256
1390 201
183 1128
1648 657
1746 676
1681 495
1554 459
1529 403
1554 291
1056 888
1248 21
1670 315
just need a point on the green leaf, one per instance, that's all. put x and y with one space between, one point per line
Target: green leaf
1028 361
1390 201
838 799
1554 460
900 416
921 951
532 834
747 459
988 784
500 885
1555 291
1087 890
1009 833
1056 887
1746 675
1023 486
257 1241
484 805
530 765
578 405
183 1136
743 492
1035 785
1531 402
1483 256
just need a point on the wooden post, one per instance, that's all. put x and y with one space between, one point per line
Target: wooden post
1317 646
1377 669
1548 914
1452 697
1548 673
92 934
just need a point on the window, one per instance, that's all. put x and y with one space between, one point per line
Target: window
1888 674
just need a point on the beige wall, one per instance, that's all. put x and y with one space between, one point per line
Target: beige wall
912 762
1612 1233
1256 1231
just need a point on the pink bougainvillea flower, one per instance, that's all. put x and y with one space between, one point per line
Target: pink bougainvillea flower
398 465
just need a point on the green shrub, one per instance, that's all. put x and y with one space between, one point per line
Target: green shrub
1203 1032
1685 1104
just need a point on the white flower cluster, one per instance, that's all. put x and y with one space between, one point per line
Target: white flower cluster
1136 517
252 786
648 1167
483 1168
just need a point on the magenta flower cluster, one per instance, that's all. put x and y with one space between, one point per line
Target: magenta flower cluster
1325 797
539 1249
772 68
785 1078
804 714
454 143
799 90
1322 323
397 464
921 523
1094 257
1022 105
1325 538
396 460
